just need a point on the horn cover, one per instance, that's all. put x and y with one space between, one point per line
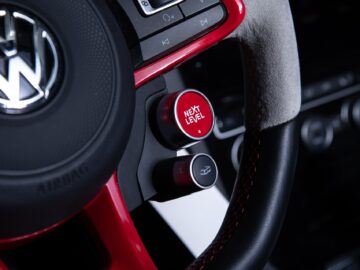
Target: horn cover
56 158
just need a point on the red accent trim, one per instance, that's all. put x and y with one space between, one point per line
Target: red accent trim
112 221
108 214
236 14
3 266
20 240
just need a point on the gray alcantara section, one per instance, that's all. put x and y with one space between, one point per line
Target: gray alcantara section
273 85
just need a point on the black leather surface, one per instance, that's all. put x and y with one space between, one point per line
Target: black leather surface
258 203
272 101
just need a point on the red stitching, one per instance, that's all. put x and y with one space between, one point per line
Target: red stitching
242 192
238 210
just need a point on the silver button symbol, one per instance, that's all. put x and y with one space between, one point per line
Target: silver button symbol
165 42
168 18
205 171
204 22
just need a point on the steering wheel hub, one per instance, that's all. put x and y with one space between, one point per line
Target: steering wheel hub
59 149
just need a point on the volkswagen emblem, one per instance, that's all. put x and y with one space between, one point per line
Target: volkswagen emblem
29 63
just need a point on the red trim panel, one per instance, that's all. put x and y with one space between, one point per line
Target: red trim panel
114 226
3 266
108 214
20 240
236 14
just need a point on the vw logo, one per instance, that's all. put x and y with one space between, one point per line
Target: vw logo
29 63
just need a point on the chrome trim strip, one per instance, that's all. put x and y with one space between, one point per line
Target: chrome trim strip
305 107
149 10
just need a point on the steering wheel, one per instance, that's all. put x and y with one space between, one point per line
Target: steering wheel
61 146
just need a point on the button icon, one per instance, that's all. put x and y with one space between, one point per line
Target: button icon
145 3
193 115
168 18
205 171
204 22
165 42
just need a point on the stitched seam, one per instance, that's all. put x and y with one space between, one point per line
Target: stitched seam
242 192
237 212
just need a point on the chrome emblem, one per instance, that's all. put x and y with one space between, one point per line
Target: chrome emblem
29 63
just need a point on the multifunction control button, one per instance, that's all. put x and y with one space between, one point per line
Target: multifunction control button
171 25
182 32
182 176
204 171
184 118
145 26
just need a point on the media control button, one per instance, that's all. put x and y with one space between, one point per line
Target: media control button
177 35
204 171
157 22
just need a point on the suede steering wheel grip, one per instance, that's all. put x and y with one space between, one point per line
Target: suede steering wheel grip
272 101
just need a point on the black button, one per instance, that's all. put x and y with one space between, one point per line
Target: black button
190 7
317 134
180 33
159 21
145 26
309 93
159 3
181 176
204 170
356 113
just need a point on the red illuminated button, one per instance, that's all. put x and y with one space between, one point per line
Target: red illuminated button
185 117
194 114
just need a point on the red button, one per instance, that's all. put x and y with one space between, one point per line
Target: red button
194 114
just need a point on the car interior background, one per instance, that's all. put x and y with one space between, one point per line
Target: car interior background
322 225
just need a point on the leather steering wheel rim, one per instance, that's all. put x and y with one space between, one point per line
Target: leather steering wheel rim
272 102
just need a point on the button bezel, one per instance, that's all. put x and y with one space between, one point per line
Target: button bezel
149 10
